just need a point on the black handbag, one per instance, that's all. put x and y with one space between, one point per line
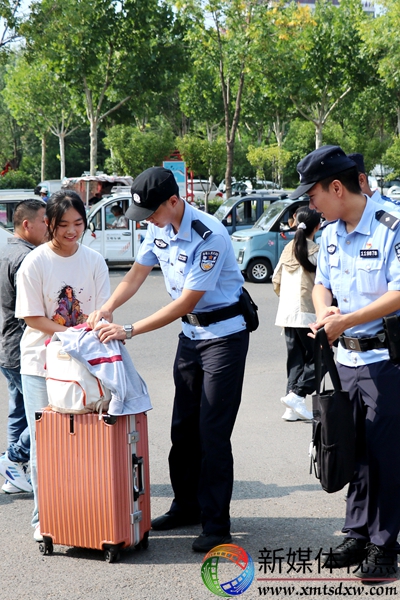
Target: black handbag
333 443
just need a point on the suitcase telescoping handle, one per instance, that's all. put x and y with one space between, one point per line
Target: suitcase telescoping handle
138 476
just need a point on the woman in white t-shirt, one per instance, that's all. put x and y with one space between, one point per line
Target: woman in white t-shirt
58 285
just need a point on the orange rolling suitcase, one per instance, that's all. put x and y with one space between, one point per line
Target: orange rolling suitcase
93 481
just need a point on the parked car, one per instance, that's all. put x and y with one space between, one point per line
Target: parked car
248 186
197 192
117 245
258 249
8 201
5 236
52 185
394 192
242 212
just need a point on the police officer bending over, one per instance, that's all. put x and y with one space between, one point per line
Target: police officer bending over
202 277
359 264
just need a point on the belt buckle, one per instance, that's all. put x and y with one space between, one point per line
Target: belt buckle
193 319
352 344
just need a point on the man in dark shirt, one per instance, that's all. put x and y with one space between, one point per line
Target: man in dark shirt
30 230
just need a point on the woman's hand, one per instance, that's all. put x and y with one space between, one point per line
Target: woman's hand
110 331
96 315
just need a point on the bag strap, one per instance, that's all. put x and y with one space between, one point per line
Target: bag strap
323 350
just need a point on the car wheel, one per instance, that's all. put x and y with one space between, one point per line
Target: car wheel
259 270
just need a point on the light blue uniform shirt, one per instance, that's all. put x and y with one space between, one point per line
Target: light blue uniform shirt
192 263
359 267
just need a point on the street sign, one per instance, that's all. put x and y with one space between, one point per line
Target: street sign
178 167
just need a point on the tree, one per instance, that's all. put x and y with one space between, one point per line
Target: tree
326 60
273 157
10 21
108 54
223 50
203 156
133 150
382 40
38 97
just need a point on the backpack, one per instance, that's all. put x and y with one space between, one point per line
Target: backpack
71 388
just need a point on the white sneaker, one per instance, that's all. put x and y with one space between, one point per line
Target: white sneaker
290 415
37 536
298 404
15 473
9 488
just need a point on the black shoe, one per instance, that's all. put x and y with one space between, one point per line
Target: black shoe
207 541
350 552
173 520
379 564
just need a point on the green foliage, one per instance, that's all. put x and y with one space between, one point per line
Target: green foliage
391 158
206 159
272 157
16 180
133 150
300 140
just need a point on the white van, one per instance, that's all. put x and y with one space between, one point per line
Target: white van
5 236
116 238
8 201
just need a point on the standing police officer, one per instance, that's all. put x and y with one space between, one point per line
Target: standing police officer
202 277
359 263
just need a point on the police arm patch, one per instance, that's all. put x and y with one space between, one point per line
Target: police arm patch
397 250
208 259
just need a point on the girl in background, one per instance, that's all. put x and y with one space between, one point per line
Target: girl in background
61 264
293 281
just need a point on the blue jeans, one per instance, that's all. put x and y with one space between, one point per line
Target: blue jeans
35 398
18 438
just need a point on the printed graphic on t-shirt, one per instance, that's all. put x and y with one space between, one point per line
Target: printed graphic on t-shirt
69 311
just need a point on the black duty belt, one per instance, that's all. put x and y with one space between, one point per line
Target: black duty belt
207 318
364 344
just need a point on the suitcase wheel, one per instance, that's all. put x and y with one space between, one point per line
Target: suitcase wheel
111 555
46 547
144 543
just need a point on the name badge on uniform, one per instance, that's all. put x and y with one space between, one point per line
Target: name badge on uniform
208 259
160 243
183 258
369 253
331 249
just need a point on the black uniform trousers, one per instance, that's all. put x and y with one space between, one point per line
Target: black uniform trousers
300 366
208 377
373 499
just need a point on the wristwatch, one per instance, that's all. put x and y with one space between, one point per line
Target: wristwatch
128 330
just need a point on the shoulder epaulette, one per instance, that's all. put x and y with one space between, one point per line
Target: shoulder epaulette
201 229
387 219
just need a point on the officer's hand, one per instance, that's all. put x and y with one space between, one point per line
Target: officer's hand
334 326
329 311
96 315
110 331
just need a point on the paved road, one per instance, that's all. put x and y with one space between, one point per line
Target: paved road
276 503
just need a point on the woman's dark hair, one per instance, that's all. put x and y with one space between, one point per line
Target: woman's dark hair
63 292
58 204
308 220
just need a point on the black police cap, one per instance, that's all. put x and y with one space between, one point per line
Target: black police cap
149 190
318 165
359 160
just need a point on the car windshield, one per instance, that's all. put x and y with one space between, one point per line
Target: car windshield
224 208
269 215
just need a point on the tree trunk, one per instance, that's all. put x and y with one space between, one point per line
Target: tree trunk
43 164
230 148
61 141
318 135
93 145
